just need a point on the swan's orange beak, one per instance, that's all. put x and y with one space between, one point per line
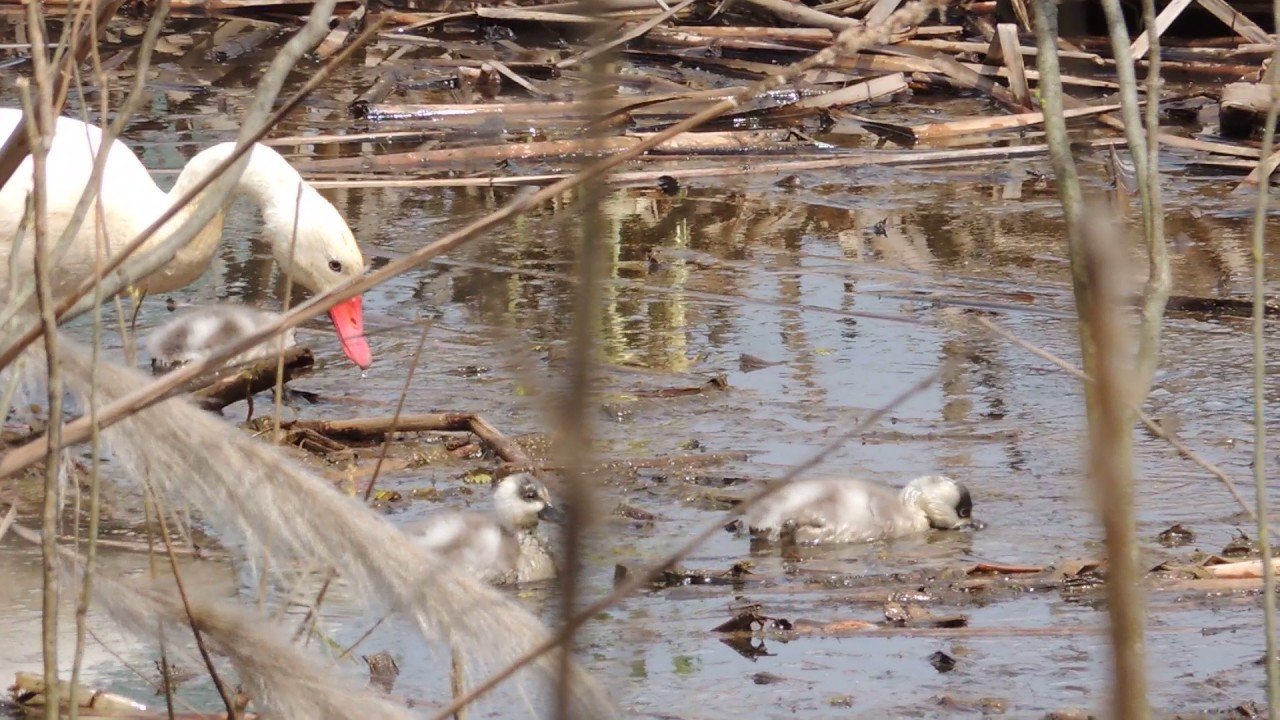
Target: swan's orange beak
348 320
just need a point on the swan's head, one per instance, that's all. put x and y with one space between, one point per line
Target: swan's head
321 255
946 503
521 500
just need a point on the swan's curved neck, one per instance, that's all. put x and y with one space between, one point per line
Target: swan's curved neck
268 180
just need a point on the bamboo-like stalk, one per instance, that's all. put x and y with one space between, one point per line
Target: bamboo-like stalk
1144 149
1259 388
1111 467
1109 416
574 411
37 103
159 14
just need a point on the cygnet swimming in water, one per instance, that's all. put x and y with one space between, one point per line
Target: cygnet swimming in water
501 548
197 333
845 511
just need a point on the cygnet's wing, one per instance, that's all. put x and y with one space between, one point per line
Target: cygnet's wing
197 333
831 510
801 503
866 511
470 539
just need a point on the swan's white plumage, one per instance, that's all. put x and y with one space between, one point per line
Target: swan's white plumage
308 236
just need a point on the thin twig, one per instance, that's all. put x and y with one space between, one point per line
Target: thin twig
395 418
1154 427
227 698
1155 293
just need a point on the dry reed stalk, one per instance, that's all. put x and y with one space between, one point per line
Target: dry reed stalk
252 490
395 417
1101 342
284 681
144 62
574 413
640 579
916 158
1145 153
1111 469
849 41
38 106
625 37
1259 388
278 392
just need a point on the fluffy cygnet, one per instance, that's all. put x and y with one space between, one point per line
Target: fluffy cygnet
842 511
197 333
501 548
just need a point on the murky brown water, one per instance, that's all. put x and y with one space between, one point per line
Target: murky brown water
785 274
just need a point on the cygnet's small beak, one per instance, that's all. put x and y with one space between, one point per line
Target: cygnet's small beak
970 524
551 513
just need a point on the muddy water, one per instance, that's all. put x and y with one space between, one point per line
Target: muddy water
791 273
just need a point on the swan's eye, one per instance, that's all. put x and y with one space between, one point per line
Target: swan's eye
530 495
335 266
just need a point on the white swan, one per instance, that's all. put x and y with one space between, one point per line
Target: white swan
842 511
198 332
323 255
503 549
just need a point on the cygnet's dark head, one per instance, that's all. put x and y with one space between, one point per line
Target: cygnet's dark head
946 503
521 500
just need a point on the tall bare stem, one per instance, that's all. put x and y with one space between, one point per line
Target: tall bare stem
1102 344
38 107
1259 379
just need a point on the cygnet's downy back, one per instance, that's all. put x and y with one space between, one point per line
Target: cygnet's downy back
197 333
501 548
842 511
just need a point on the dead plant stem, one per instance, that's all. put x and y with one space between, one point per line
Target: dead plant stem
1109 417
1155 292
288 298
1111 469
395 418
37 106
1259 386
